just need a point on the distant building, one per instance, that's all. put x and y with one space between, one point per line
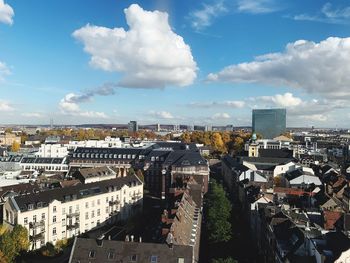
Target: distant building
269 122
8 139
132 126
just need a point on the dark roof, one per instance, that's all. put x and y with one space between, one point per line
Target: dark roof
19 188
232 163
75 192
276 153
123 251
185 158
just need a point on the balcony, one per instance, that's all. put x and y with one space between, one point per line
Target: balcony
113 213
73 226
36 237
37 224
116 202
136 197
75 214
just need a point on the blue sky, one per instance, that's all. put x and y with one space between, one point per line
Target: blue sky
183 61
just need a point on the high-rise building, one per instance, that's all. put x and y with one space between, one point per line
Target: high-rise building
132 126
269 122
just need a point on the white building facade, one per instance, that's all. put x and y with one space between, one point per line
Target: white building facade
57 214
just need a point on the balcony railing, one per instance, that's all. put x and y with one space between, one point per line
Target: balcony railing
116 202
113 213
36 224
36 237
73 214
73 226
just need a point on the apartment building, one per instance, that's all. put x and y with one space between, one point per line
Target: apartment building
8 139
56 214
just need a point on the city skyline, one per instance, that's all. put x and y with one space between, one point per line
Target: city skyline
174 61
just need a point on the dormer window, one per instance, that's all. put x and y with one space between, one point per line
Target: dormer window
30 206
154 259
92 254
133 258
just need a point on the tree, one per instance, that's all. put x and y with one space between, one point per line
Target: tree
8 246
3 258
15 146
219 214
20 235
224 260
217 142
185 137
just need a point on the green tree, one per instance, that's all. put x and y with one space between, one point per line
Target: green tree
219 214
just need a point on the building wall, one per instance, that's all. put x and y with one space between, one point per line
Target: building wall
52 151
61 220
8 139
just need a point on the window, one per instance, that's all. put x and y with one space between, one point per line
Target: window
98 201
63 221
180 260
92 254
43 216
92 214
154 259
111 255
54 231
54 209
26 220
34 218
98 212
107 199
87 215
92 203
63 211
86 205
54 219
70 209
107 210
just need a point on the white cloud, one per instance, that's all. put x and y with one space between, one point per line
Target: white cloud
5 106
4 70
282 100
6 13
161 114
69 105
328 14
204 17
315 117
228 103
221 116
322 68
33 114
256 6
149 54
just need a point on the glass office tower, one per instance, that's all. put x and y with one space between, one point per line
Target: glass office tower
270 123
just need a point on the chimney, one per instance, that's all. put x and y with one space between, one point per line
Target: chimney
132 238
124 172
109 237
127 238
140 239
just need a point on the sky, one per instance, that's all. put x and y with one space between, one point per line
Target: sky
184 61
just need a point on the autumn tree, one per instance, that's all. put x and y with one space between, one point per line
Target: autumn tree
20 235
217 142
15 146
12 243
